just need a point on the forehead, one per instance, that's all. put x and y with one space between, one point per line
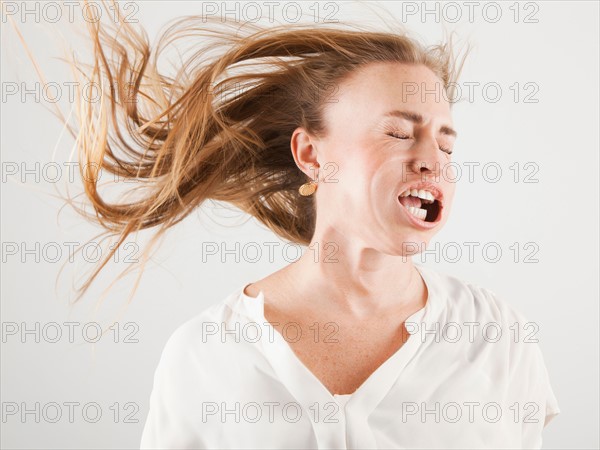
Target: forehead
372 90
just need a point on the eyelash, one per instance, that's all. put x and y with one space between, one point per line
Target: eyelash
403 136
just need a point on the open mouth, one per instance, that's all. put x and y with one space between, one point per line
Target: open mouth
421 204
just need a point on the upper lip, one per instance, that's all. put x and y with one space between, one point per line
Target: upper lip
426 186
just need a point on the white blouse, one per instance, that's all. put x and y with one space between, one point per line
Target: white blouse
470 375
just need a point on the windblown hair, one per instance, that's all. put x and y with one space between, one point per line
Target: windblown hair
220 128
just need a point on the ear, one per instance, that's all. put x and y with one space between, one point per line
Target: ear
305 153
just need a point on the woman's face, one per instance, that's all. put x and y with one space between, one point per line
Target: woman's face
390 130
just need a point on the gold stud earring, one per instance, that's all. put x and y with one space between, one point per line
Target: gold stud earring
308 189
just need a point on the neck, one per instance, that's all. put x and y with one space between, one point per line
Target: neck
349 278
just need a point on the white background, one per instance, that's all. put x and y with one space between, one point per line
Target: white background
557 135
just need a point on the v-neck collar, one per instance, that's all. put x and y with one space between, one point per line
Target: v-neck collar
308 390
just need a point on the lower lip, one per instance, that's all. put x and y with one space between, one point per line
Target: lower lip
421 223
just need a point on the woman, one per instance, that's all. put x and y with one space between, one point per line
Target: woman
334 140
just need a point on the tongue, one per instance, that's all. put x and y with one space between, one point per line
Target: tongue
411 201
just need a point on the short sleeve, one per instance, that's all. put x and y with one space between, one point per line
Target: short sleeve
169 423
551 409
542 394
532 361
530 381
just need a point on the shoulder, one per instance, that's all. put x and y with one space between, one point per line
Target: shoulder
469 300
194 329
502 334
494 327
209 339
192 369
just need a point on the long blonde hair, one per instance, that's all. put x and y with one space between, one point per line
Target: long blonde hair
212 133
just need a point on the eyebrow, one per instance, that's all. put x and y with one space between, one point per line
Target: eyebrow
418 118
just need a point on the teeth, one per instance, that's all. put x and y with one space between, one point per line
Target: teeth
417 212
420 193
425 195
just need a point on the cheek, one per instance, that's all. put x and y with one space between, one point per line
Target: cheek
355 167
379 174
451 190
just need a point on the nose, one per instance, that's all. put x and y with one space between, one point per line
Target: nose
427 167
426 164
427 158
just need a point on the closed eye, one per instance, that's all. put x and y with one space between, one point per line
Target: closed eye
399 136
405 136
